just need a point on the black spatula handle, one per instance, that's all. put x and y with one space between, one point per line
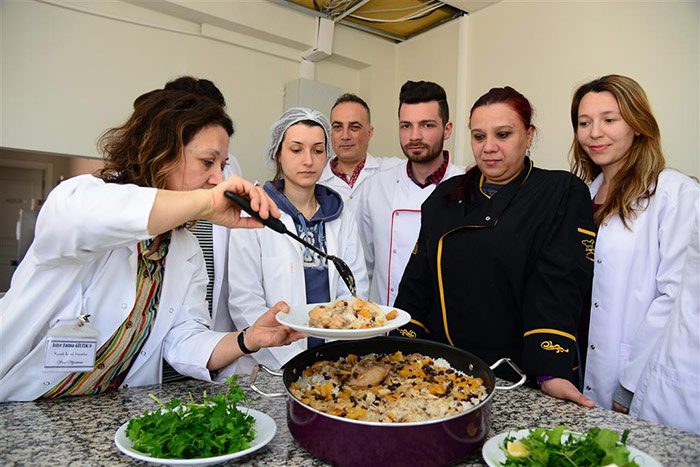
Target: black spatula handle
275 224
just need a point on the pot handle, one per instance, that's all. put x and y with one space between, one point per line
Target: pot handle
523 377
254 376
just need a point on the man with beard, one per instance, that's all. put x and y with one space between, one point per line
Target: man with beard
351 131
389 208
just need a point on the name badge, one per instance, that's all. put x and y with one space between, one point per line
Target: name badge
71 347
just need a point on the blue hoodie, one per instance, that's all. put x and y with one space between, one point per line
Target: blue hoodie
313 231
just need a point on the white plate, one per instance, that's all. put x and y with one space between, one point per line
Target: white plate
298 319
264 426
495 457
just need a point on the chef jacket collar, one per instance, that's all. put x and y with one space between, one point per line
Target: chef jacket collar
486 211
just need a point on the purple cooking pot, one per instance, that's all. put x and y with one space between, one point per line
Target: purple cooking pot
342 441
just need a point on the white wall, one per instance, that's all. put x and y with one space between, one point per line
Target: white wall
431 56
67 76
546 49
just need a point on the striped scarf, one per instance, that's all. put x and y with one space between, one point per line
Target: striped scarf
114 359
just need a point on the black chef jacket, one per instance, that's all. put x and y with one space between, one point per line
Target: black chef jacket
504 276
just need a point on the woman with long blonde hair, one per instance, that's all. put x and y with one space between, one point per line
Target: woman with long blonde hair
644 213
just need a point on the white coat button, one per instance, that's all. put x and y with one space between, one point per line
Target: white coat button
596 304
488 218
47 383
592 347
171 310
143 352
394 251
125 387
598 261
588 388
124 306
392 289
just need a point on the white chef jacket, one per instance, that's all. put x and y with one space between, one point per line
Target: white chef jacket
668 390
84 261
636 279
266 267
389 222
349 193
220 238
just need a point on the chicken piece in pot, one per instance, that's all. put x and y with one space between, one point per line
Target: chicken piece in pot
368 372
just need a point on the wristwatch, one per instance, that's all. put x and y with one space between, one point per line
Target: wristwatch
241 343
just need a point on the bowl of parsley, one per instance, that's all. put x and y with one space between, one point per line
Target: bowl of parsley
598 447
219 429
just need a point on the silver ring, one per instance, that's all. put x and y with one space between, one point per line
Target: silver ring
256 183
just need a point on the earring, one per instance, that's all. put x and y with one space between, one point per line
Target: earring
527 153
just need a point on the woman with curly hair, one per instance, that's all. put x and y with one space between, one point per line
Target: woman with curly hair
113 284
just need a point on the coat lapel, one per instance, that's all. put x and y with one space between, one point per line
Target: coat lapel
179 270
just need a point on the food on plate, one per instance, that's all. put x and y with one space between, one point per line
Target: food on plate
349 314
517 449
187 430
559 447
392 388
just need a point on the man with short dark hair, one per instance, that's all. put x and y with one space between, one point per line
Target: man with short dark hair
389 209
351 131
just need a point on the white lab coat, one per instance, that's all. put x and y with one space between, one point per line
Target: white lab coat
265 267
348 193
84 261
220 238
668 391
389 222
636 279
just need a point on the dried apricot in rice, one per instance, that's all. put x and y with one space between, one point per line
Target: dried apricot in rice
356 413
364 313
326 389
392 314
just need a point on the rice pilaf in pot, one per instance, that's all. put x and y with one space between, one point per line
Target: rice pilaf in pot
393 388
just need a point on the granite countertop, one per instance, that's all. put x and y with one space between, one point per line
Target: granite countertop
80 431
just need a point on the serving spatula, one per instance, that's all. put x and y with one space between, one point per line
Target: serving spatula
278 226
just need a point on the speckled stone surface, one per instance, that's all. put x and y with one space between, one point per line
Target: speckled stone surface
80 431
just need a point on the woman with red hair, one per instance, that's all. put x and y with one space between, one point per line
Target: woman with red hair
503 262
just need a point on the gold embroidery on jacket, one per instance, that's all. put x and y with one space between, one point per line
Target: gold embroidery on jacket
547 345
407 333
589 245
